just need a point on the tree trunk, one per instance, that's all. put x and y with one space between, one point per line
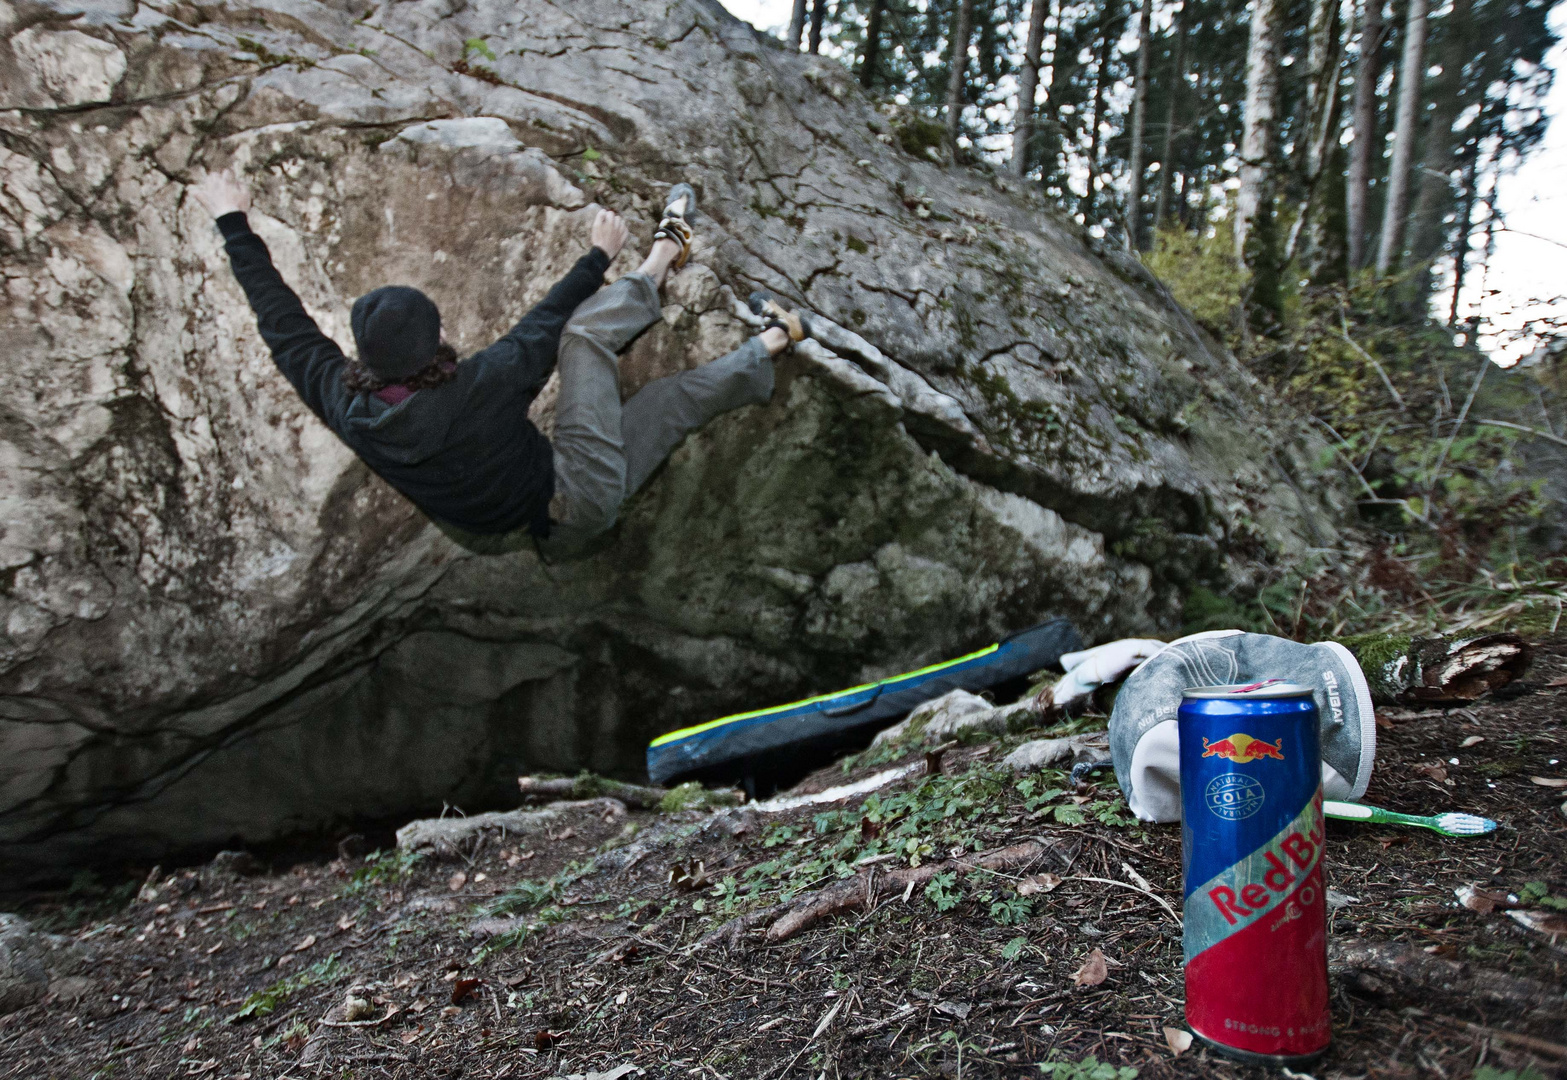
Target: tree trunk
1364 151
1465 228
1107 15
1325 247
1028 87
1439 157
1411 73
1324 51
962 23
796 25
1262 98
1052 137
872 55
1177 88
818 15
1134 157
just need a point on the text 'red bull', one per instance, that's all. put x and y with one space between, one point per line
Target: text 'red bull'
1255 927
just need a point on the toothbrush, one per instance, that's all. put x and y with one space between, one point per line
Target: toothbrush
1451 824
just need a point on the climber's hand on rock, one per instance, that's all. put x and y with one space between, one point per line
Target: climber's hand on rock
221 193
610 233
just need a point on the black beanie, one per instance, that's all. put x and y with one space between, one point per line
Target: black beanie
396 329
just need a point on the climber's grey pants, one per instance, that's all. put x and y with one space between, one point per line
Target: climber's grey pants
605 451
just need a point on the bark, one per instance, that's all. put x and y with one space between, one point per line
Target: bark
872 56
1364 151
1411 75
1439 158
1134 191
1400 972
1028 87
588 786
962 29
1176 92
797 25
818 16
1324 52
1257 141
1107 17
1463 231
1438 671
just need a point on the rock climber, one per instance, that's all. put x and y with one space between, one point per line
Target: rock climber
454 436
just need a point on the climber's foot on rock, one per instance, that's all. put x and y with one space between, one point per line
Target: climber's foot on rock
784 326
672 239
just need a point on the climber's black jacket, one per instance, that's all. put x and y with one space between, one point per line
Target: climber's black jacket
464 452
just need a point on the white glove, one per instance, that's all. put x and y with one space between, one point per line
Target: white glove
1090 669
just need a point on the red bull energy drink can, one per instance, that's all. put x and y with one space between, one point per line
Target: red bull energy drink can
1256 928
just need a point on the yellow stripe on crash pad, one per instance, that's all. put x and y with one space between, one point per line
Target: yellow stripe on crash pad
685 733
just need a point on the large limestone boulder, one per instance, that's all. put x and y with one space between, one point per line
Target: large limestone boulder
217 625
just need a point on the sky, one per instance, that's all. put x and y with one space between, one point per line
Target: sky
1527 276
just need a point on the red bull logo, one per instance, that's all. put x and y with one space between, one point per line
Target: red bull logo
1241 747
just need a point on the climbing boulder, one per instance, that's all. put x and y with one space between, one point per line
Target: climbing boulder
217 626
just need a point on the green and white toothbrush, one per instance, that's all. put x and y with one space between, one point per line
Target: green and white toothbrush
1451 824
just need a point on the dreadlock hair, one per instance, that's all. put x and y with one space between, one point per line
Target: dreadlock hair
360 379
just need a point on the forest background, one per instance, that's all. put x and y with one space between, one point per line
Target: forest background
1334 221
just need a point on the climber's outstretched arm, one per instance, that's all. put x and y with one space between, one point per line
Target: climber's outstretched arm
309 359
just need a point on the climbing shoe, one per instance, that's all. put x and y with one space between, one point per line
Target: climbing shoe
680 205
766 305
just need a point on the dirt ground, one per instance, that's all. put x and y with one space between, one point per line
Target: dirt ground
580 949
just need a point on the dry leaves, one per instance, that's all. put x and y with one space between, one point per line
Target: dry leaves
457 881
357 1005
1434 772
462 989
1549 781
303 945
1478 900
1473 740
1093 972
1179 1040
688 877
1038 883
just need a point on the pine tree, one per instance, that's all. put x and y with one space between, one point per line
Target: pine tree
1364 150
1411 75
1134 171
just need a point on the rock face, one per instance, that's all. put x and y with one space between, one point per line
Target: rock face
31 963
218 626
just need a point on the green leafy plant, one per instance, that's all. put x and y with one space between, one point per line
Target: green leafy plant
1014 948
1090 1068
728 893
1011 910
1538 893
1490 1072
265 1002
529 894
477 45
940 891
382 868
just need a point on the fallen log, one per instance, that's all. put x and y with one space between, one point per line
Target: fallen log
1390 969
588 786
863 890
1403 670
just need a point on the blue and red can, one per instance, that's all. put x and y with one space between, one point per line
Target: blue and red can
1256 929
